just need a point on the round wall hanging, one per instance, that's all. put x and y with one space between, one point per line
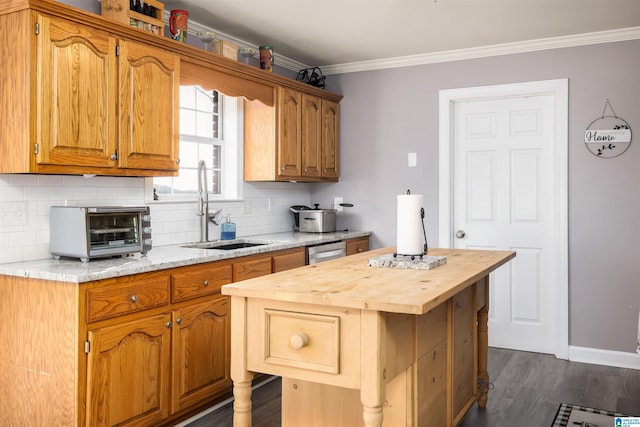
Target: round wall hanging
607 136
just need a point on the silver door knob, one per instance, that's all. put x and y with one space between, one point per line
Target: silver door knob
460 234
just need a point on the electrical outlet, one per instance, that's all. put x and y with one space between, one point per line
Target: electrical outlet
13 214
246 207
336 204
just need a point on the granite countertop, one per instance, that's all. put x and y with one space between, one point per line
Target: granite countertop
163 257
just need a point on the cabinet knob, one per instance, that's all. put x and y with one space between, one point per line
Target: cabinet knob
359 250
169 325
299 340
282 168
134 298
179 320
206 283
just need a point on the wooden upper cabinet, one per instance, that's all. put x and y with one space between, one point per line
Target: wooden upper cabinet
330 144
297 140
76 94
79 100
149 104
311 136
289 114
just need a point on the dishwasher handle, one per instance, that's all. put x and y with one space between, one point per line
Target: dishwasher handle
320 253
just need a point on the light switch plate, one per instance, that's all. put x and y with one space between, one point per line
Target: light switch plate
413 160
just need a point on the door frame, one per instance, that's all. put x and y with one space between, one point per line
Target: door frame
559 90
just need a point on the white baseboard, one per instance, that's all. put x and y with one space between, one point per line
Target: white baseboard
597 356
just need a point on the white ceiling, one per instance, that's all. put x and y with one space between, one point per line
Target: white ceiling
333 32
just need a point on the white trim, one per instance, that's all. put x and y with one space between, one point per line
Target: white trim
558 88
623 34
596 356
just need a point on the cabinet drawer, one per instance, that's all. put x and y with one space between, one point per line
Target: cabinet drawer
288 260
307 341
130 297
356 246
194 282
251 268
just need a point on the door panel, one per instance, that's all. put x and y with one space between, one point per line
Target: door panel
503 157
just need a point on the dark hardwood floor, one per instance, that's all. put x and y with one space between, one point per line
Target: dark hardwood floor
527 390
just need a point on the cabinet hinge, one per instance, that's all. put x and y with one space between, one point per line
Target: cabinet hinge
37 29
36 148
87 347
117 50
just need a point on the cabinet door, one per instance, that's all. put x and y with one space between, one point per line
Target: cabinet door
149 106
330 141
289 133
201 353
128 373
76 101
311 136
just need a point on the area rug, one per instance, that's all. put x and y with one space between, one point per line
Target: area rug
569 415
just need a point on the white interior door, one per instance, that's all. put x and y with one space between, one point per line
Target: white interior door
503 184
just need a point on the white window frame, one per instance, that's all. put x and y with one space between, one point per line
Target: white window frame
232 161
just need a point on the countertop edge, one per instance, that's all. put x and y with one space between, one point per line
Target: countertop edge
162 258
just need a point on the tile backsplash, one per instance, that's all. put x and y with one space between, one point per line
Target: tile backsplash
25 201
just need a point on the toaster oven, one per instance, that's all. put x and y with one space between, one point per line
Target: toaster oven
94 232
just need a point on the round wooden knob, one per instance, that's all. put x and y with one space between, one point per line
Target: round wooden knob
299 340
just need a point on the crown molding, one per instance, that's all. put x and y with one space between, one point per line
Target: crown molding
610 36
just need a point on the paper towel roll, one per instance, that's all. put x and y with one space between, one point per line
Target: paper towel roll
410 240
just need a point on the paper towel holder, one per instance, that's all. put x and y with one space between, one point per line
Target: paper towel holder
425 251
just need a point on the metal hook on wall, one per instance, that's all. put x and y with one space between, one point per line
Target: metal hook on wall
607 103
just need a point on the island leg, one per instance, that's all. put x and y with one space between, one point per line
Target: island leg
239 374
483 344
372 382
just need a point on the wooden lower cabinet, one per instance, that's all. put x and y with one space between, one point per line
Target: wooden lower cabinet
200 350
141 350
128 372
130 364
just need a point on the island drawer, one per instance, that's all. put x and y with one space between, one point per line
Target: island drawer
303 340
129 297
194 282
299 340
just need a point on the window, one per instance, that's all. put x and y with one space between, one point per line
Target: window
209 132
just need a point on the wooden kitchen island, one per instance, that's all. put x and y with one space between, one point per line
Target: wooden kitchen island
366 346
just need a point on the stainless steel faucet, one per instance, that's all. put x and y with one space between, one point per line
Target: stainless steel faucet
203 203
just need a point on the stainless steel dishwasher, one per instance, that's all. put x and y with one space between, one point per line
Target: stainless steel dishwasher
325 252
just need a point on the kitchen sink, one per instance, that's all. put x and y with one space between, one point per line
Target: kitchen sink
227 245
231 246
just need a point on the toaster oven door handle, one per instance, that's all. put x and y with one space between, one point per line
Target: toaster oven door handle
110 209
